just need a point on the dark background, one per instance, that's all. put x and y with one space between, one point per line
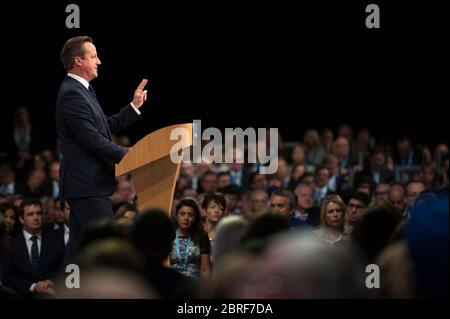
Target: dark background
292 66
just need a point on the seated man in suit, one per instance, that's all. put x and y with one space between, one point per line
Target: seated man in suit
62 215
36 255
305 214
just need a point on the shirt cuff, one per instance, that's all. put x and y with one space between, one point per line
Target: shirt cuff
32 287
135 109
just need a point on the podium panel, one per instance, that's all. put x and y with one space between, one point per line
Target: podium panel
152 170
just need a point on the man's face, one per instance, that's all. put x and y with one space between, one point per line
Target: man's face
7 175
404 147
355 208
190 192
232 202
66 212
382 192
59 214
342 147
260 182
188 170
260 201
37 178
125 189
223 181
322 177
298 154
32 219
54 172
62 215
378 160
304 197
397 198
282 171
209 183
89 62
412 192
280 204
333 168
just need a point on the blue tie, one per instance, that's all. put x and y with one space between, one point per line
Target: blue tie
34 254
91 90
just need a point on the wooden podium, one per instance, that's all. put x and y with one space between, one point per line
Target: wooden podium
152 170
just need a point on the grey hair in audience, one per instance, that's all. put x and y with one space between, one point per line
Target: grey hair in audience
228 236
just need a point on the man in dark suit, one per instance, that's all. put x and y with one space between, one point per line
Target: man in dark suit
87 167
36 255
305 214
377 169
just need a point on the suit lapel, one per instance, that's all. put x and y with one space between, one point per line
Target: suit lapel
25 256
94 104
99 110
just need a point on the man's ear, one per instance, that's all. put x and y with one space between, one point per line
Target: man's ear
77 60
21 219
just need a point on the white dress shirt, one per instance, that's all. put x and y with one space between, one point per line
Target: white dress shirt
376 178
7 189
236 177
55 189
86 85
66 234
319 194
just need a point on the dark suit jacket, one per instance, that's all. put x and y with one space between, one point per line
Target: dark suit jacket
386 175
18 273
169 283
89 154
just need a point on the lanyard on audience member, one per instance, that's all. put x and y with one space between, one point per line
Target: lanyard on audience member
186 254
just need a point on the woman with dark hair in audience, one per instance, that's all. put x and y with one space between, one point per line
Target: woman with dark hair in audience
214 205
332 220
9 211
430 176
298 170
191 249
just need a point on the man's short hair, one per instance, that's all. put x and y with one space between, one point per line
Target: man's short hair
287 194
232 189
73 48
360 196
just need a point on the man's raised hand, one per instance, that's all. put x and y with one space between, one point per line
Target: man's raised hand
140 95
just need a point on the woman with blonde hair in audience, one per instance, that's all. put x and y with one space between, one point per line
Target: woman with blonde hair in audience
332 220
